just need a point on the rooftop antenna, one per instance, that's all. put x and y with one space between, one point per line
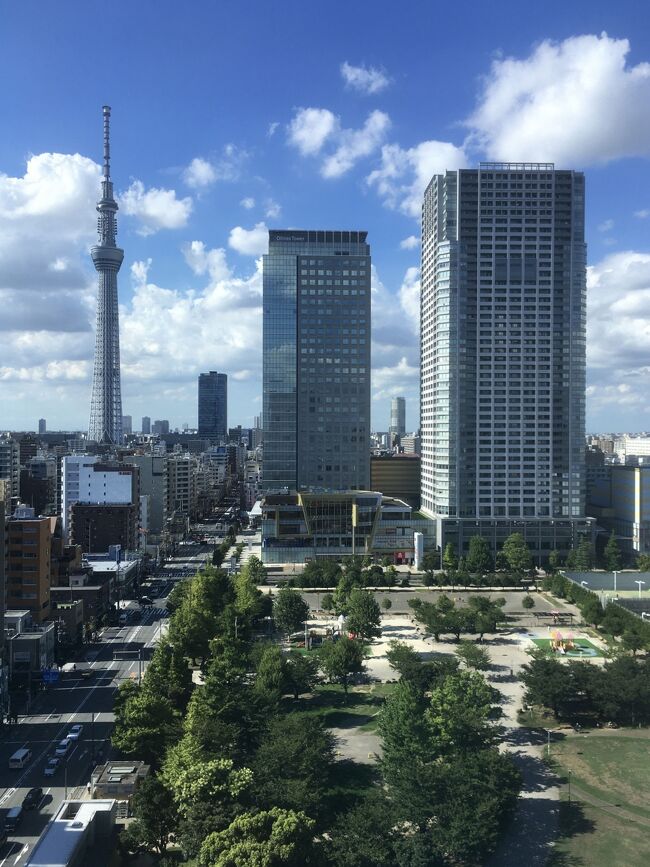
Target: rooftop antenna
107 144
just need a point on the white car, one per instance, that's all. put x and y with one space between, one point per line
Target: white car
75 732
52 767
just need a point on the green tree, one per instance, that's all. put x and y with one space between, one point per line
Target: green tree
364 835
386 603
517 554
312 575
633 641
248 599
292 765
224 716
405 744
479 555
554 560
273 838
391 576
255 570
592 610
430 562
301 672
449 558
191 629
340 659
430 616
327 602
473 655
643 563
145 725
547 682
528 602
584 557
155 816
289 610
177 596
168 674
271 681
460 713
364 615
613 559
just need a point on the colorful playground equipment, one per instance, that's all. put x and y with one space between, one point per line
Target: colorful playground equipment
560 643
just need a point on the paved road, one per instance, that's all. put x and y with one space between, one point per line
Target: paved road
88 701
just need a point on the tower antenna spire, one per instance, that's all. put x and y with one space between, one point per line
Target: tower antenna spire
107 141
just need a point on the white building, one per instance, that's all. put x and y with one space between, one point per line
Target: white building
503 310
84 479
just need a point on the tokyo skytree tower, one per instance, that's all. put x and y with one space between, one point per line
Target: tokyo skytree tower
106 401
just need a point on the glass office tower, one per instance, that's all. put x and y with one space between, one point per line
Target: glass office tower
213 405
316 358
503 310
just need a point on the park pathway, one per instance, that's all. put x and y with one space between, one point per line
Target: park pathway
530 837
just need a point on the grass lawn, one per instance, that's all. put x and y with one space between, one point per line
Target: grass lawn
589 651
613 768
358 709
591 838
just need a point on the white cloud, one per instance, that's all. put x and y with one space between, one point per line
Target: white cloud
355 144
199 173
404 173
248 203
273 210
409 243
606 226
249 242
575 103
399 378
643 214
409 298
364 79
204 261
226 167
618 336
310 128
155 208
272 128
168 336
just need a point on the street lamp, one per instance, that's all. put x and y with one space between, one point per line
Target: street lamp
639 583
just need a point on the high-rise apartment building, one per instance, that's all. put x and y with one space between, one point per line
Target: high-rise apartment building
160 427
316 359
146 424
397 416
28 566
10 463
213 405
127 425
42 426
503 354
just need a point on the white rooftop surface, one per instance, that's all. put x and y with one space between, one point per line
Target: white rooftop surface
62 837
111 565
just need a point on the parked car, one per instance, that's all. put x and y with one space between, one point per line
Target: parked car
75 732
13 818
33 798
52 767
146 600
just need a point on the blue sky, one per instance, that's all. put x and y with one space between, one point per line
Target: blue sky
230 117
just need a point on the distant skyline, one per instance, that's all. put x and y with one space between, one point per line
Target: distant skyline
229 119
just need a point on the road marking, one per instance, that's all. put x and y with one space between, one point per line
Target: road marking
21 853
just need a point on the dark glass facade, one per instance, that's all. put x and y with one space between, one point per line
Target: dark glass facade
213 405
316 355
